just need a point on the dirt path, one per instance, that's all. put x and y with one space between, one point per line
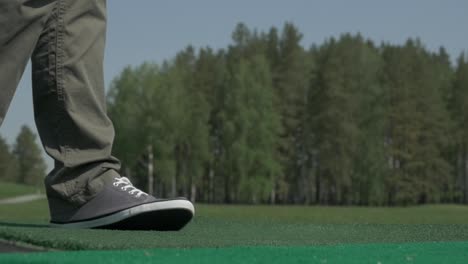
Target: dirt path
9 247
22 199
6 247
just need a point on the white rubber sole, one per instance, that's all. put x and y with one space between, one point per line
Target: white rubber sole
127 213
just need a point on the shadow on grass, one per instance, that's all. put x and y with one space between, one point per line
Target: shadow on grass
10 224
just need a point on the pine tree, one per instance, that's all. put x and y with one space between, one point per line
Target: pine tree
162 107
209 79
332 118
251 124
31 166
8 170
192 147
348 78
129 106
459 113
267 121
291 80
417 126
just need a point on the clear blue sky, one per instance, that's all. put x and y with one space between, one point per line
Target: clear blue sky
155 30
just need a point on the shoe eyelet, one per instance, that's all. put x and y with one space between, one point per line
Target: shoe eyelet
115 184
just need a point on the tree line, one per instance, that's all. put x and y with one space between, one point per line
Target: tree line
267 120
23 162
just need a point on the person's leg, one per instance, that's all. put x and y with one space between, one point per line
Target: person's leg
69 103
21 23
84 189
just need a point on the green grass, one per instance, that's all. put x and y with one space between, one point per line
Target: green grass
255 234
451 252
31 212
222 226
427 214
37 211
8 189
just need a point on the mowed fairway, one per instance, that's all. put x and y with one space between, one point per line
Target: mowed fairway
255 234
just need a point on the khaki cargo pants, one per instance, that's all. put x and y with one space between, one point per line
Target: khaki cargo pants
65 41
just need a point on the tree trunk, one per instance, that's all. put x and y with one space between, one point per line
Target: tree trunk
317 186
460 180
211 183
174 185
184 157
150 169
304 171
128 173
273 193
161 189
227 195
465 173
176 174
193 193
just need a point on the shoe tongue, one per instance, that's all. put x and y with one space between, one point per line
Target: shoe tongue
150 198
127 182
109 177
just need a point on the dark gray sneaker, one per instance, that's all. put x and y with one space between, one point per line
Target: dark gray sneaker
122 206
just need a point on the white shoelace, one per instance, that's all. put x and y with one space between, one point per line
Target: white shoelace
126 184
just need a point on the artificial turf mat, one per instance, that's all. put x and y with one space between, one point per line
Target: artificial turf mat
223 226
212 233
448 252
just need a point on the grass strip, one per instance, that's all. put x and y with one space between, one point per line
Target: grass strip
205 232
236 225
445 252
38 212
9 189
